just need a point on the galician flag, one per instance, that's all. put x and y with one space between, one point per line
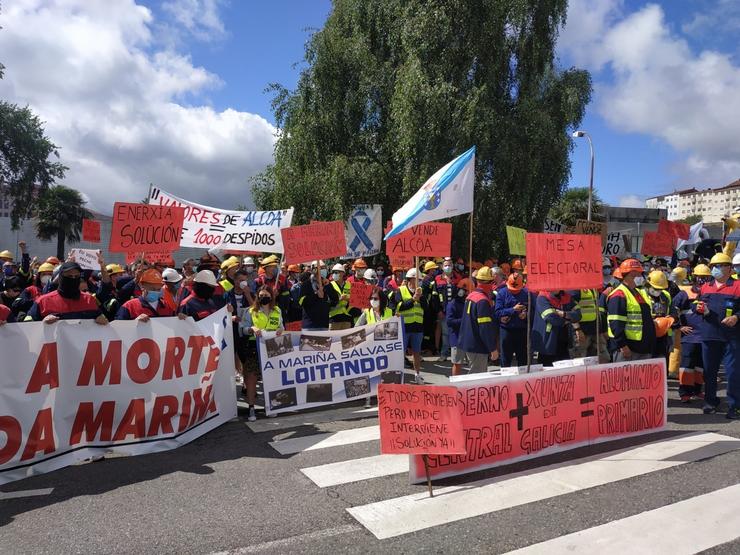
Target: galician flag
449 192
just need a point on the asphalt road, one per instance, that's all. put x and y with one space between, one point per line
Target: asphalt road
231 491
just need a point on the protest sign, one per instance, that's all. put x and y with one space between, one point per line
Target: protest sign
91 231
513 418
359 295
363 231
613 245
584 227
145 228
420 420
430 239
551 226
294 326
319 240
517 240
676 229
82 390
315 368
655 243
560 261
248 230
86 258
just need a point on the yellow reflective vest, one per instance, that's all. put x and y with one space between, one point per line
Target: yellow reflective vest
414 315
633 319
370 315
342 307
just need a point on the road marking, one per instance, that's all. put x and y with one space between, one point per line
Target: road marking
310 418
712 518
293 541
322 441
26 493
355 470
402 515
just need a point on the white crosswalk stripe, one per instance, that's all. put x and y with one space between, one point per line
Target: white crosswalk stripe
322 441
355 470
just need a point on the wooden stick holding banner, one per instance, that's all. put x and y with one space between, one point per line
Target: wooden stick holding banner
529 331
425 458
470 247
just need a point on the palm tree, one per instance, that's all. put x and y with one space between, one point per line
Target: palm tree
59 214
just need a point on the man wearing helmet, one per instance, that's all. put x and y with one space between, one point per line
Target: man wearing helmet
631 328
341 316
657 290
410 304
478 337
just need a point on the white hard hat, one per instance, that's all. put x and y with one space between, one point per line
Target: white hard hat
170 275
248 261
207 277
736 259
319 263
412 273
338 268
370 274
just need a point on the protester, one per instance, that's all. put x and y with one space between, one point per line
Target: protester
445 285
370 277
478 336
511 311
187 268
173 292
663 314
201 304
453 319
149 304
359 267
229 268
262 316
691 369
410 304
630 319
317 296
274 279
719 304
340 315
553 313
378 310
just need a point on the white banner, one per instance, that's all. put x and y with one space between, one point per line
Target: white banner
613 246
86 258
312 368
552 226
75 389
363 231
206 227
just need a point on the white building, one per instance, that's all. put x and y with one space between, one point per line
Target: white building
711 204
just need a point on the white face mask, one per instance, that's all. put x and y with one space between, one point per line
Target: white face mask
375 303
45 279
243 284
639 281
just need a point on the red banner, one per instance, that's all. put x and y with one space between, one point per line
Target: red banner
91 231
319 240
655 243
420 420
294 326
152 258
676 229
557 261
508 419
359 295
145 228
430 239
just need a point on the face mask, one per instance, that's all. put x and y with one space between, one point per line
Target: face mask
375 303
607 271
243 284
249 269
461 293
153 296
653 292
412 288
639 281
323 273
337 276
203 290
717 272
265 301
69 287
9 271
736 269
380 273
45 279
447 270
461 267
646 268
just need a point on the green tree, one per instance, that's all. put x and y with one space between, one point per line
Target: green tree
393 90
573 206
59 215
691 220
27 168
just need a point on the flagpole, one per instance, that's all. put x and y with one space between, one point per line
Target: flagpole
470 247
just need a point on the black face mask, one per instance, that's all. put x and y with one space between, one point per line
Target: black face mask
69 287
265 300
203 290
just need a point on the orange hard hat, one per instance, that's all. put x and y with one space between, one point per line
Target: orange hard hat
53 260
617 274
294 268
630 265
151 276
515 282
359 263
662 325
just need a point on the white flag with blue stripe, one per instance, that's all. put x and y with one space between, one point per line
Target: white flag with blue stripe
448 193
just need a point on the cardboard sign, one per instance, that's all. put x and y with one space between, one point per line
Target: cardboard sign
91 231
551 226
359 295
584 227
153 257
319 240
420 420
145 228
557 261
514 418
613 245
430 239
655 243
363 231
86 258
676 229
517 240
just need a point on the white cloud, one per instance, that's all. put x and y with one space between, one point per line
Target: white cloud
201 18
657 85
124 112
630 201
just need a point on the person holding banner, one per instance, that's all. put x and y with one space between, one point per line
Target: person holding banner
228 273
378 310
317 296
410 304
273 279
631 328
263 315
478 337
511 311
554 311
453 317
340 314
149 304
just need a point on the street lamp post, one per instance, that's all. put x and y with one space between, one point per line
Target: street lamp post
578 134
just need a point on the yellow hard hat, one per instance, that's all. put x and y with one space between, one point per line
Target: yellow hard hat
679 273
6 254
658 280
271 260
484 274
229 263
46 267
430 266
114 269
702 270
720 258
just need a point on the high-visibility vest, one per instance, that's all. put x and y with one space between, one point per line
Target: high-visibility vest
263 321
370 315
227 285
342 307
587 305
633 320
415 315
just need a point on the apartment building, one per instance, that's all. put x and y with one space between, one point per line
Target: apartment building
711 204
